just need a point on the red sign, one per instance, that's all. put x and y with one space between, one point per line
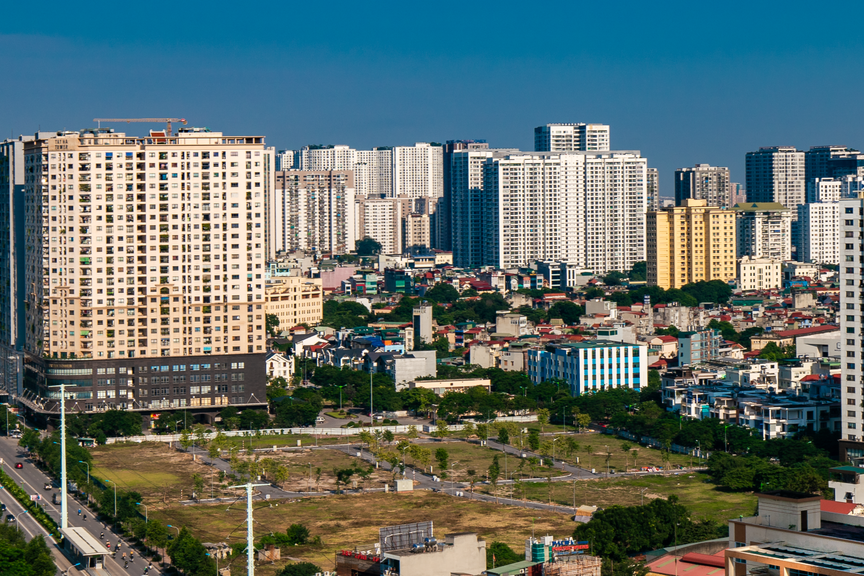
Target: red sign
570 548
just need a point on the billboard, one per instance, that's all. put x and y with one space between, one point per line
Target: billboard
404 535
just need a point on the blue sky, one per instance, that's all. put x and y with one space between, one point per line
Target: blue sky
684 82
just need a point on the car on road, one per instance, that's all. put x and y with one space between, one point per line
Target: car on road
47 486
10 518
19 465
2 507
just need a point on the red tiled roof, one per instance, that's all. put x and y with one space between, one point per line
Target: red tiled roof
805 331
668 339
836 507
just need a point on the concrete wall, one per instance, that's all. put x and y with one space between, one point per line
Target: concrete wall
466 555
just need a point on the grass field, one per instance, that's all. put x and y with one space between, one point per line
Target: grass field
159 473
700 496
348 521
303 469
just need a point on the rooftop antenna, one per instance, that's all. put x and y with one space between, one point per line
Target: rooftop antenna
250 545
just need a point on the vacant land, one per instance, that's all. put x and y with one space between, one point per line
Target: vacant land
158 472
315 469
353 520
693 490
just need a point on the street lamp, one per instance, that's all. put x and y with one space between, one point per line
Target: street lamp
371 408
115 497
175 528
146 514
66 572
553 449
88 469
18 524
340 397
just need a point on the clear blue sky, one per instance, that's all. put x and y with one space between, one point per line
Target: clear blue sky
684 82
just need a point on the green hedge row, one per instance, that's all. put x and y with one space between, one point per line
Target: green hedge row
31 506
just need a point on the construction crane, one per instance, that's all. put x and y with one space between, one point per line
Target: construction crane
167 121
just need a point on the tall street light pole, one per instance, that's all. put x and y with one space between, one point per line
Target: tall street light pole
64 480
115 497
250 544
88 469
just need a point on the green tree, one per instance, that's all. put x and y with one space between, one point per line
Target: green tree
298 534
670 331
493 474
500 554
272 323
442 292
300 569
442 457
543 417
567 311
614 278
639 272
771 351
368 247
625 567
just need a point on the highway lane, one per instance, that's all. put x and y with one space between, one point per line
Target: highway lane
33 480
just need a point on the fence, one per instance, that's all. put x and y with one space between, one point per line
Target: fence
654 443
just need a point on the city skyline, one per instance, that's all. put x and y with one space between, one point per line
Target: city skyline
393 66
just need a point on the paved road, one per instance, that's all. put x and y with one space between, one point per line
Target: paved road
33 480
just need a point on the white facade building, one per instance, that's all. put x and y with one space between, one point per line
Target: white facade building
571 138
777 174
759 274
287 160
381 220
324 158
580 207
824 190
315 211
852 319
590 366
373 173
418 171
764 230
819 232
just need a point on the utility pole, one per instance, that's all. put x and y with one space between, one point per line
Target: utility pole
250 544
64 480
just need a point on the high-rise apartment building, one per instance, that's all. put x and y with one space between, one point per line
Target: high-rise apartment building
852 325
444 213
579 207
824 190
764 230
418 171
737 194
287 160
327 158
381 219
415 232
572 138
653 189
144 273
314 211
12 239
468 204
818 161
818 239
776 174
373 173
702 182
690 243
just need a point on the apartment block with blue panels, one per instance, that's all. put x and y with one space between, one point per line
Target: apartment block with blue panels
590 366
697 347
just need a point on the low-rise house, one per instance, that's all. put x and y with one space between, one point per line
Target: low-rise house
279 366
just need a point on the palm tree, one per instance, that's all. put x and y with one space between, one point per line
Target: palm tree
625 447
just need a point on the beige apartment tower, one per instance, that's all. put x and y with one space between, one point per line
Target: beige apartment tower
143 255
690 243
295 300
